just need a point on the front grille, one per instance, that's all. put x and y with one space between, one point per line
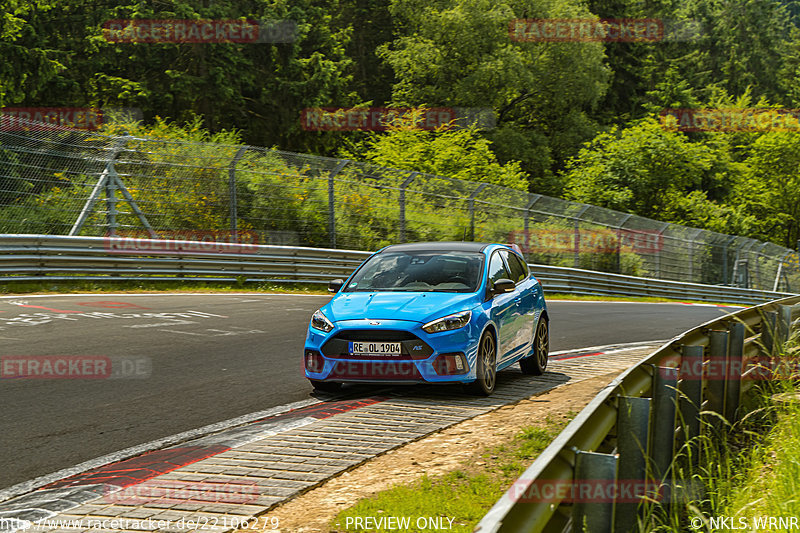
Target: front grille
412 347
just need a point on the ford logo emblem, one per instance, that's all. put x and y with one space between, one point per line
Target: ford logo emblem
374 323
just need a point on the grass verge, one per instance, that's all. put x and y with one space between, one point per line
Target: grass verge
191 285
145 286
457 500
646 299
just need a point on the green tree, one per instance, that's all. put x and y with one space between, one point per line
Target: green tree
461 53
641 169
27 65
454 153
748 45
61 57
790 72
709 45
770 190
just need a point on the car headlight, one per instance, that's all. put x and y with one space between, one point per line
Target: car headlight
320 321
449 322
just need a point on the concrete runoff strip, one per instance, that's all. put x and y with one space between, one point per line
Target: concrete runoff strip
221 482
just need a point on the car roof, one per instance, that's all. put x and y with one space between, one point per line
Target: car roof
452 246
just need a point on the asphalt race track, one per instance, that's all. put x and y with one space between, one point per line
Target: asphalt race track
179 362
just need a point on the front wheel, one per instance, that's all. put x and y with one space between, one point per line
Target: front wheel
326 386
486 369
536 363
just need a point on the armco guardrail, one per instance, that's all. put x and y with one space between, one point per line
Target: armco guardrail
629 433
39 257
586 282
58 257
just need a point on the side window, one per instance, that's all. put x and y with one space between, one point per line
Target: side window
497 269
519 271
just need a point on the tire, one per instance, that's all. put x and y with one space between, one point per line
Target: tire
536 363
326 386
486 367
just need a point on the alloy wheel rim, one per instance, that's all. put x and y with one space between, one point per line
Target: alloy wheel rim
541 344
488 362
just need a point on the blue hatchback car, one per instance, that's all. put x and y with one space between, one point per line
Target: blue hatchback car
437 312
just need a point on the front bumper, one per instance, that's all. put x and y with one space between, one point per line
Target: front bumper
448 356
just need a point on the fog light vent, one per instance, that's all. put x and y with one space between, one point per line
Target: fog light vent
314 361
449 364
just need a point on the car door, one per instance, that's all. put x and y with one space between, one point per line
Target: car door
525 315
504 307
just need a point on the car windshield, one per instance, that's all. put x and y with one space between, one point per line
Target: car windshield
419 271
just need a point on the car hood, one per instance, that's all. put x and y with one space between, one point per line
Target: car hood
414 306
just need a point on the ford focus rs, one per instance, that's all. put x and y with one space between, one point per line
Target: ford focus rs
439 312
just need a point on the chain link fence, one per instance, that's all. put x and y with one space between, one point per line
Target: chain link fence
58 181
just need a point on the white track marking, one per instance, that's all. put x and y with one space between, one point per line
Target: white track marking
140 294
27 486
614 347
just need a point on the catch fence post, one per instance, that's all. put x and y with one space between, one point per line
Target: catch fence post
332 201
620 227
471 207
233 214
526 222
102 184
403 187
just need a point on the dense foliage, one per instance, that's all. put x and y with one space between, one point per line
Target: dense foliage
573 119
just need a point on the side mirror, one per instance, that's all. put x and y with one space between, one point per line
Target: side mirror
502 286
335 284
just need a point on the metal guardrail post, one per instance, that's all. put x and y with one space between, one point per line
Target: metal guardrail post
665 401
719 371
633 446
769 323
691 388
784 329
593 470
736 333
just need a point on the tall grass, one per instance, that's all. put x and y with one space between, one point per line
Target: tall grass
743 472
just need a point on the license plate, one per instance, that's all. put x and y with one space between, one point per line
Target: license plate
374 348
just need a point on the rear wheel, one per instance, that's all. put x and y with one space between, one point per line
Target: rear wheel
326 386
536 363
486 369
